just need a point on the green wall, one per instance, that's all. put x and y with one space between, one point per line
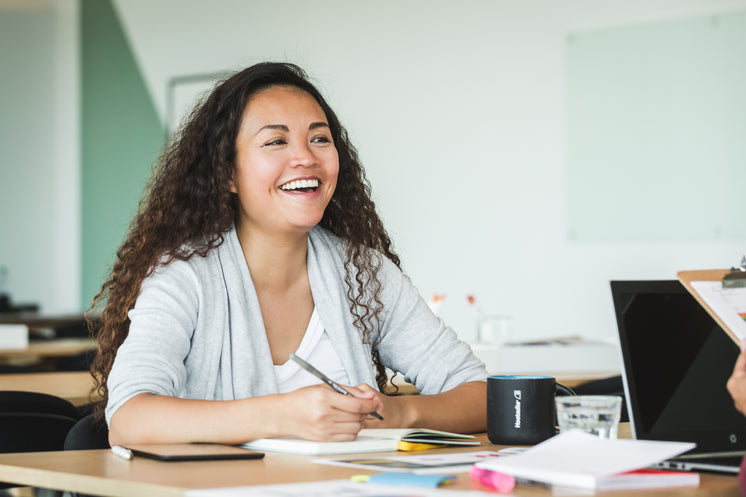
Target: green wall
121 137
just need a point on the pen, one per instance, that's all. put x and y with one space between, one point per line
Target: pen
318 374
121 452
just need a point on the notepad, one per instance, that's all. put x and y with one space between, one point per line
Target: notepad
370 440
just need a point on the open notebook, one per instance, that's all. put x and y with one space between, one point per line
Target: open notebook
370 440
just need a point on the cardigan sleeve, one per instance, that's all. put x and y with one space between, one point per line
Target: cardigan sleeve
417 343
151 358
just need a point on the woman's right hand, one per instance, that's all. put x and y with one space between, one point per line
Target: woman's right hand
319 413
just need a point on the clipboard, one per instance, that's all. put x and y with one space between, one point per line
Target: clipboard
725 302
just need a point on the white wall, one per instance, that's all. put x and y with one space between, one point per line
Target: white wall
458 111
39 142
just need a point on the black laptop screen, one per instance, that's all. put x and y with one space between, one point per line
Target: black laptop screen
677 361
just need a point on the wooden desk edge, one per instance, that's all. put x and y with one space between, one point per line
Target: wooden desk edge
83 471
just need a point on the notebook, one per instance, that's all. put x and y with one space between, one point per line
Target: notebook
368 440
677 361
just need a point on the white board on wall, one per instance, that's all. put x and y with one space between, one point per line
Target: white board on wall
657 131
184 92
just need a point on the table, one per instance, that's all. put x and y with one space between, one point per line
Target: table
99 472
568 379
74 386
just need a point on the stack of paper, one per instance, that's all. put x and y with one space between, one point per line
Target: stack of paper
578 459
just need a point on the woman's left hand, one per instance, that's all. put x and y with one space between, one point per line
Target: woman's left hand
393 411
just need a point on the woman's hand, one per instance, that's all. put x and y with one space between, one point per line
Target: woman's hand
737 382
319 413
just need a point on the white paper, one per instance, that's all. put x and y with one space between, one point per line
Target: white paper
576 458
418 464
332 488
728 303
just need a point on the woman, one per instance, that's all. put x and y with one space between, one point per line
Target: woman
736 386
258 238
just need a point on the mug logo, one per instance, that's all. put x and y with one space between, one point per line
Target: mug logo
517 397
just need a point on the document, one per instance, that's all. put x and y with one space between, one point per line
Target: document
419 464
729 304
578 459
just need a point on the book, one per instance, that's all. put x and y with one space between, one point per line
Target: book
368 440
648 478
578 459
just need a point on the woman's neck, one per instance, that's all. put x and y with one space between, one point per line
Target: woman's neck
275 262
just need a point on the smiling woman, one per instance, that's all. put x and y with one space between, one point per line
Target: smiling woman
257 238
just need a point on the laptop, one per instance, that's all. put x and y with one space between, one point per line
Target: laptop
677 361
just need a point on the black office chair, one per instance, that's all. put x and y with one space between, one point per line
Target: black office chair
606 386
32 422
88 433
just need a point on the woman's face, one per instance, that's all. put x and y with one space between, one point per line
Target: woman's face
286 162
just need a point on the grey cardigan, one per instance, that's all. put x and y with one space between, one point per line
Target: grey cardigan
196 330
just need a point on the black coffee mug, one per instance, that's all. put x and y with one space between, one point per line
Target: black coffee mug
520 408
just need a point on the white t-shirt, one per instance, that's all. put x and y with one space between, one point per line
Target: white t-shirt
316 349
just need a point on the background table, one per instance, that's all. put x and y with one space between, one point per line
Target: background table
74 386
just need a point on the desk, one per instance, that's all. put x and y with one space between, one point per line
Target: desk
56 347
44 353
99 472
74 386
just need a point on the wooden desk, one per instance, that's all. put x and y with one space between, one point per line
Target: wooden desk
44 354
99 472
57 347
570 380
74 386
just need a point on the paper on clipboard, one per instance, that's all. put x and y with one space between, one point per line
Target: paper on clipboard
726 305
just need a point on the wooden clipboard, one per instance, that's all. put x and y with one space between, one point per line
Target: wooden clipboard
687 277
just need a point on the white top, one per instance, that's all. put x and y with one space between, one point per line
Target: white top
316 349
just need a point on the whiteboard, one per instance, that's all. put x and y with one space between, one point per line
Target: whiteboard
657 131
184 92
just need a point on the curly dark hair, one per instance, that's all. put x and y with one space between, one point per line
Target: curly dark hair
188 207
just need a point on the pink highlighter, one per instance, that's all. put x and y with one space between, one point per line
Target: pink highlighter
501 482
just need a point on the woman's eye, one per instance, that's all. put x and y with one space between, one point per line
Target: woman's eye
278 141
320 139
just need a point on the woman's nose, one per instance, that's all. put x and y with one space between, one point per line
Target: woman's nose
303 155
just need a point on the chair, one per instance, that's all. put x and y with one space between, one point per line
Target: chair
88 433
32 422
606 386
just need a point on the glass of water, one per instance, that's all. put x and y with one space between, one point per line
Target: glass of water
595 414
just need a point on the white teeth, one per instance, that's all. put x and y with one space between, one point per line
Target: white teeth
300 183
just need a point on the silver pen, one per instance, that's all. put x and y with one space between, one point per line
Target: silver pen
318 374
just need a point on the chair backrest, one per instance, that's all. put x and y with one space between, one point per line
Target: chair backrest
33 431
88 433
20 401
32 421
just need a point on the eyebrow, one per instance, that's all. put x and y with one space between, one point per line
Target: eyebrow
282 127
